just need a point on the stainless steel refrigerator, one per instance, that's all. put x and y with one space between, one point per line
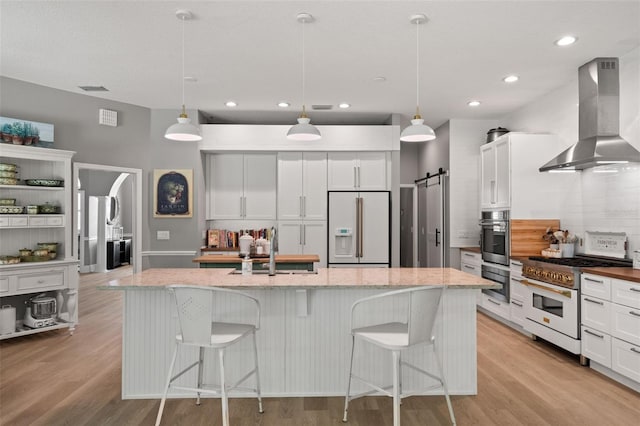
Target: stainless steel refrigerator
359 228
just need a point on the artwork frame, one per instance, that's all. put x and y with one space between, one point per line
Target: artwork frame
17 131
173 193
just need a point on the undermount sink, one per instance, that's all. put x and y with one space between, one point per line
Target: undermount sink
278 272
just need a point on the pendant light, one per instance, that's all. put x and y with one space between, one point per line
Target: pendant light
183 130
417 131
304 130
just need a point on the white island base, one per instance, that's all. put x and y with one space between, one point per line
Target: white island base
303 341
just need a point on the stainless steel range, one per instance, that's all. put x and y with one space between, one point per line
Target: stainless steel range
552 302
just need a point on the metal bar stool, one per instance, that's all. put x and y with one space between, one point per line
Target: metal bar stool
197 328
422 305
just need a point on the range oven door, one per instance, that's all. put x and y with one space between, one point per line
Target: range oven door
494 237
552 306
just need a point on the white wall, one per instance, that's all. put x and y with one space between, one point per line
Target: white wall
611 201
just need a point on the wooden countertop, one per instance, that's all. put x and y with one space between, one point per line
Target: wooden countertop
280 258
389 278
628 274
472 249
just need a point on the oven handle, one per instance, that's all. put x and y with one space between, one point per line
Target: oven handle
565 293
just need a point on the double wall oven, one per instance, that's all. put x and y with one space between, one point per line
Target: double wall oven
494 246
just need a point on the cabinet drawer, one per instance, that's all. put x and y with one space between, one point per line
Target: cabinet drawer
625 293
596 346
516 267
517 290
4 285
45 221
596 313
50 279
625 359
517 312
470 257
595 285
498 307
471 269
625 323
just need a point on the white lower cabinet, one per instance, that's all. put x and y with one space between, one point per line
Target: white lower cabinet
611 324
297 237
496 306
517 293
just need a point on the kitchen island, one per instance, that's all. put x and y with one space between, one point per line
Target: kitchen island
283 261
304 340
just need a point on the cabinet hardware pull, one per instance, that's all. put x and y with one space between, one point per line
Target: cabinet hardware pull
517 304
586 299
469 255
241 207
304 235
358 176
40 281
516 280
635 350
593 281
355 179
304 206
635 314
494 302
493 192
469 267
565 293
600 336
637 290
300 206
300 234
516 263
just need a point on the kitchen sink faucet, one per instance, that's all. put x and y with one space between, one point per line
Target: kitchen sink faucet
272 252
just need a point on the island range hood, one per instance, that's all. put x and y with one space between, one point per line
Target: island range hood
599 140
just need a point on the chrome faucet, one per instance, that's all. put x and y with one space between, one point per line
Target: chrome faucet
272 252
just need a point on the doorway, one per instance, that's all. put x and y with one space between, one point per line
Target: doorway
83 239
432 237
408 241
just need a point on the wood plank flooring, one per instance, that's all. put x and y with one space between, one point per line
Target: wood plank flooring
57 379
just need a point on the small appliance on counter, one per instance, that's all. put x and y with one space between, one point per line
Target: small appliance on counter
40 312
245 242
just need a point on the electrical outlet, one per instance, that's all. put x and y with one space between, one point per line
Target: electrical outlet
163 235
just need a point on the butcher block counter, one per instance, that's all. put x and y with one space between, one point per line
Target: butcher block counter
283 261
304 336
628 274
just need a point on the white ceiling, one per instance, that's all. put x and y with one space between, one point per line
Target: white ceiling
250 51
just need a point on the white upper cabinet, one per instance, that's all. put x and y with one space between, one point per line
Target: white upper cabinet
298 237
495 184
302 185
241 186
357 171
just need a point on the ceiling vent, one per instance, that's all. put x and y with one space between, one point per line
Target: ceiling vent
94 88
321 107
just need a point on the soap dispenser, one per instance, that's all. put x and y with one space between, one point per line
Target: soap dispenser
247 265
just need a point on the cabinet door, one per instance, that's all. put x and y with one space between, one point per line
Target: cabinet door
487 176
260 186
314 180
290 183
290 237
225 186
372 171
314 238
342 170
503 174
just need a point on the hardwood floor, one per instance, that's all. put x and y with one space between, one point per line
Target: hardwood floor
56 379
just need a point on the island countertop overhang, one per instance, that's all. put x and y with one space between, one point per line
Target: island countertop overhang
375 278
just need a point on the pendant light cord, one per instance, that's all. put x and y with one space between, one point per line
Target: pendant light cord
417 69
183 108
304 114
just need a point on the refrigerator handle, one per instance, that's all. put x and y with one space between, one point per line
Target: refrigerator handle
437 234
361 227
357 221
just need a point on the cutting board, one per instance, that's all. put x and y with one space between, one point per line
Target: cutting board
526 235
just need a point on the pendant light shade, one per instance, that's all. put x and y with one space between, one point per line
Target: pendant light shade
417 131
183 130
304 130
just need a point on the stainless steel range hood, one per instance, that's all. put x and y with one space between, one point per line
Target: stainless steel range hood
599 140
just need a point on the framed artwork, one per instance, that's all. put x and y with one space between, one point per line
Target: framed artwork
24 132
173 193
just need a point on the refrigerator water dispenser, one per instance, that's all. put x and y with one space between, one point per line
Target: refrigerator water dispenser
343 241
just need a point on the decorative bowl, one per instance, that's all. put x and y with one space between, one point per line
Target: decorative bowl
9 260
8 181
48 209
44 182
7 201
48 246
8 174
25 252
35 258
41 253
53 255
32 209
8 167
11 209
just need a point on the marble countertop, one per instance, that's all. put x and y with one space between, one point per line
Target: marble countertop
158 278
280 258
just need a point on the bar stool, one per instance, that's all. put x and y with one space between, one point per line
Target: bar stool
197 328
417 328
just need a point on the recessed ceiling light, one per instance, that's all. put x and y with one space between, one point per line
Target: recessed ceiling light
511 79
474 103
284 104
380 79
231 104
566 40
190 79
344 105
